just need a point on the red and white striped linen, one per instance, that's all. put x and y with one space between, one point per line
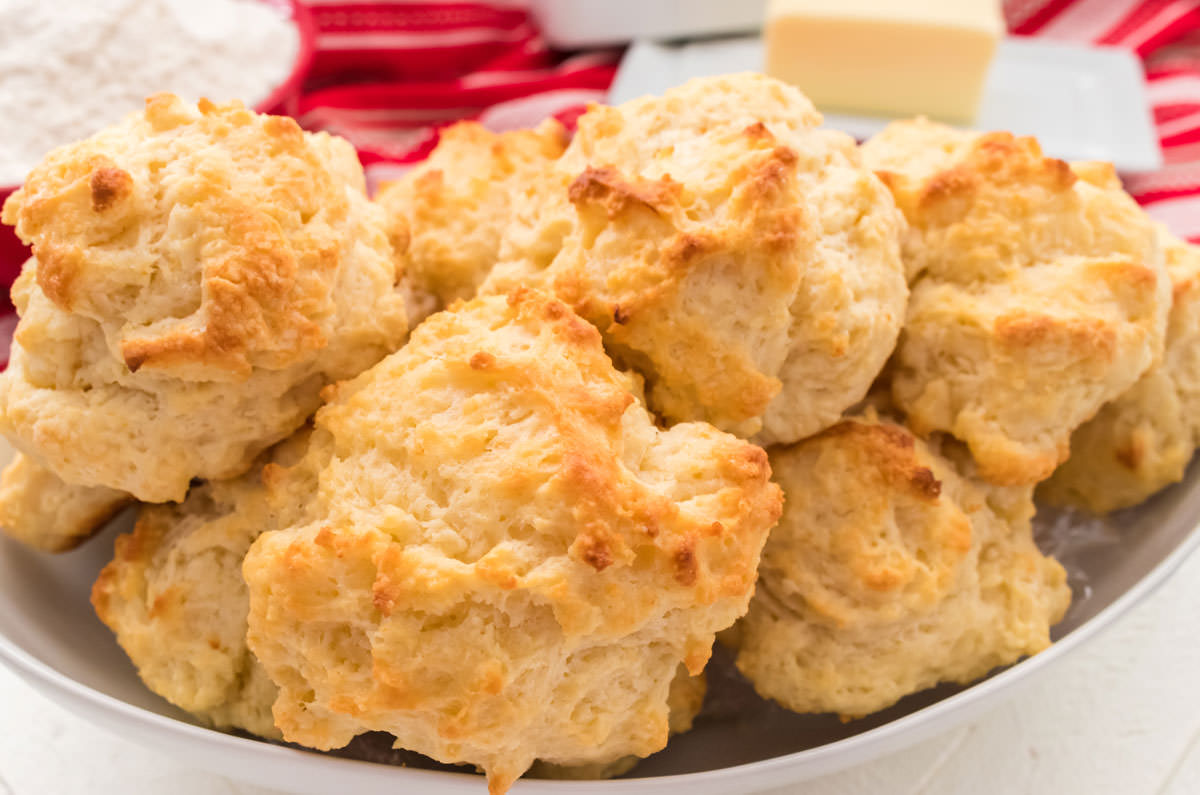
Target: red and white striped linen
388 75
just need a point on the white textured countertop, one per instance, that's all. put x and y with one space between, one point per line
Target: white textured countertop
1122 715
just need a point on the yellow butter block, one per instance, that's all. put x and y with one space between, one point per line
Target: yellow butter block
886 57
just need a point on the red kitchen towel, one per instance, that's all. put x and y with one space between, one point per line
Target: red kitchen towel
389 75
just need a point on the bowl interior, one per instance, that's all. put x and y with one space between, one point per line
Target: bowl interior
44 610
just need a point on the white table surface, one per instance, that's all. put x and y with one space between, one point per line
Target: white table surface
1121 716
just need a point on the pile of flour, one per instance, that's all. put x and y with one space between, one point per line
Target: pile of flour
71 67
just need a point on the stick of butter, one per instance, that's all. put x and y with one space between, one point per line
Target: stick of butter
886 57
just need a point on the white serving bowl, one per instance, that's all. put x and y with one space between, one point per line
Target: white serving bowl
50 636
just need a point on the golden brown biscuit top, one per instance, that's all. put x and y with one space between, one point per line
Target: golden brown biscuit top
710 147
450 212
497 527
893 568
1143 440
208 235
890 542
984 204
518 392
500 154
743 260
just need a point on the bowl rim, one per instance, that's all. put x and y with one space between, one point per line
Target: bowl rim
823 759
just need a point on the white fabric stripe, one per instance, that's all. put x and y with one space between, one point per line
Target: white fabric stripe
1181 176
523 112
1182 154
419 40
381 172
501 77
1176 89
1152 25
389 142
1184 123
1086 20
1182 215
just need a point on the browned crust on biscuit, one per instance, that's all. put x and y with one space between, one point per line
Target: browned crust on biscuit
593 550
686 566
666 250
997 157
251 295
535 308
109 184
758 130
130 551
56 274
482 361
891 450
264 276
1029 330
1132 453
771 174
607 188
